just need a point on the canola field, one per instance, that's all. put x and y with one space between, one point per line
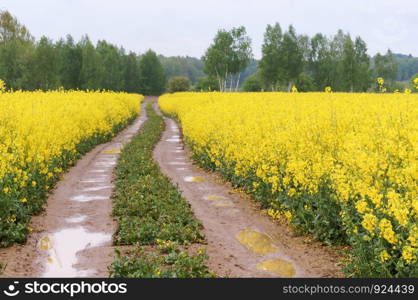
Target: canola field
41 135
342 167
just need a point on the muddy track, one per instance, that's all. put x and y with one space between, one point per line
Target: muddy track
73 236
241 240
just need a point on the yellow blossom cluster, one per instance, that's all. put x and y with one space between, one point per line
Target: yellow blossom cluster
357 152
41 133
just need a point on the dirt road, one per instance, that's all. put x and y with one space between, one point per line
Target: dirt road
73 236
242 241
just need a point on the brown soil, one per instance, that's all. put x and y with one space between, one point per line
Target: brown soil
225 213
81 226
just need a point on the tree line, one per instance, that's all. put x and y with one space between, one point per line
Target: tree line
289 59
46 65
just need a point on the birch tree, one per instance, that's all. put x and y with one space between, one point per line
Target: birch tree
227 57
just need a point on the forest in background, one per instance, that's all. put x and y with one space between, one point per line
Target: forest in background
45 64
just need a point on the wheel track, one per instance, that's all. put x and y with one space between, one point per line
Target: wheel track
73 236
241 240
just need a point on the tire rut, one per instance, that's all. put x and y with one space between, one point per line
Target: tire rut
72 237
242 241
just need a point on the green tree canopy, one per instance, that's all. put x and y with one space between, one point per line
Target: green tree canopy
270 69
152 76
178 84
228 56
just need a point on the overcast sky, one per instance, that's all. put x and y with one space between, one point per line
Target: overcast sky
187 27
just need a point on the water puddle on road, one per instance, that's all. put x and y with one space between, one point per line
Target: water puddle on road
182 169
76 219
97 171
257 242
279 266
96 188
180 163
112 151
193 179
94 181
86 198
105 164
213 198
223 203
62 248
173 140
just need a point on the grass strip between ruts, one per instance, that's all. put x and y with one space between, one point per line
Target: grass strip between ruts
152 215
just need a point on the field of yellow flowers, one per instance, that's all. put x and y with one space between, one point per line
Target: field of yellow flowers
41 135
342 167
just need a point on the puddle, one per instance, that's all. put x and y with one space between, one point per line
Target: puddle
97 171
256 242
94 181
96 188
180 158
112 151
178 151
102 163
175 137
203 188
86 198
179 148
223 203
77 219
62 248
178 163
45 243
98 179
182 169
193 179
107 160
213 198
173 140
100 176
279 266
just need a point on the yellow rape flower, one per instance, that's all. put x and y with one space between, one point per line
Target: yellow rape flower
369 222
387 232
384 256
409 254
